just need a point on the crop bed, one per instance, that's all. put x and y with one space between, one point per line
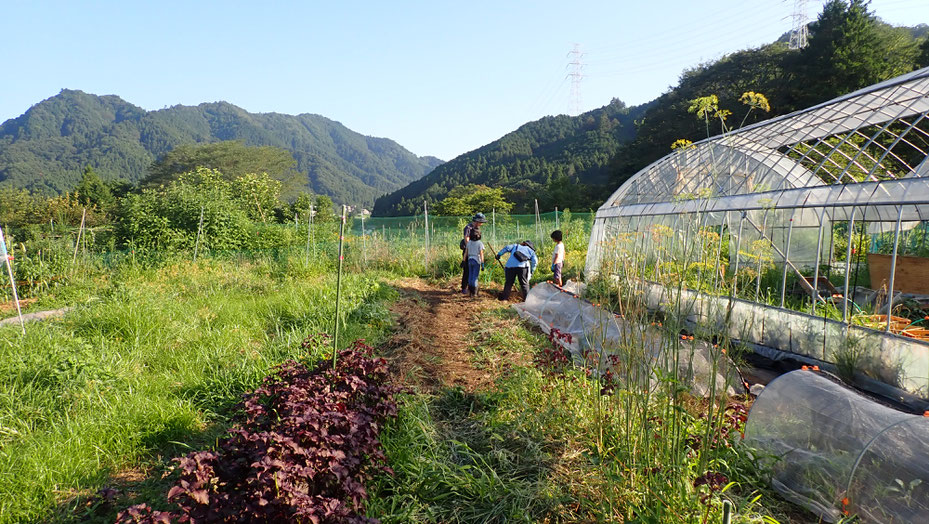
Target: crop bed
300 450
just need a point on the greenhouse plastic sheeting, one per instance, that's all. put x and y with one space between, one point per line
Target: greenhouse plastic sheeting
837 452
594 328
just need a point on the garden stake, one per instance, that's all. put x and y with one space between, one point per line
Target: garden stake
819 248
309 235
9 270
764 225
80 232
738 248
790 230
199 232
848 264
538 225
338 291
364 243
426 233
727 512
893 268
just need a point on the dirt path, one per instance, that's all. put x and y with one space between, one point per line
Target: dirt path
431 348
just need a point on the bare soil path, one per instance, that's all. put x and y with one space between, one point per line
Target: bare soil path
432 347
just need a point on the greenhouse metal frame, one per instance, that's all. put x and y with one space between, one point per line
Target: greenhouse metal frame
771 206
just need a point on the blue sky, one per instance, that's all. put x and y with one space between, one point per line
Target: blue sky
440 78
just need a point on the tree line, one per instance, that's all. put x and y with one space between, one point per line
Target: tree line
578 161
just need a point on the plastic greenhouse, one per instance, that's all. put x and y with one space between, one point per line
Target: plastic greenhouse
789 234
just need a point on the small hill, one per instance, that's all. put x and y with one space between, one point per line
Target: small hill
561 160
46 148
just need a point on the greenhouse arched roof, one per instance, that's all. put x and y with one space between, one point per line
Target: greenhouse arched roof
875 134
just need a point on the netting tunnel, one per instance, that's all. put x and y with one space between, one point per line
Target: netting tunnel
641 352
789 233
839 453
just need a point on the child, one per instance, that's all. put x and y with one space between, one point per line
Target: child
474 258
557 257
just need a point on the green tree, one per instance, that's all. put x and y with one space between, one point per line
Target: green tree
850 48
324 209
168 216
302 204
18 207
92 191
257 194
232 158
467 200
922 59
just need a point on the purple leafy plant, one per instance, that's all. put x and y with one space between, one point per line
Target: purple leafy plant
306 442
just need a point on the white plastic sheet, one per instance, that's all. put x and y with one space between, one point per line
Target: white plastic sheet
647 348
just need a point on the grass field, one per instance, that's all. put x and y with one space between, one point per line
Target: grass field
149 365
158 350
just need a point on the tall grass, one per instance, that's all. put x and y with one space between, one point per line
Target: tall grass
152 365
545 446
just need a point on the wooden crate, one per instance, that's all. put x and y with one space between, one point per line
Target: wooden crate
912 273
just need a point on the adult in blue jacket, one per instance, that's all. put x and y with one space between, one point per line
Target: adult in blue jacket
519 266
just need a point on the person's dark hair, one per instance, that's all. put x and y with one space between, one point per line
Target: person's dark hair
475 234
556 235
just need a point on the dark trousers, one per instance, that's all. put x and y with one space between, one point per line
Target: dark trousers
464 273
512 274
474 273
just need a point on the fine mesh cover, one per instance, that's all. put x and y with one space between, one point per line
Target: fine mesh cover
642 351
837 452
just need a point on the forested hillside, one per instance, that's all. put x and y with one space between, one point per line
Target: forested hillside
577 162
46 148
560 160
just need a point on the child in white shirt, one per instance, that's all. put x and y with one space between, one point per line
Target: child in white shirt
557 257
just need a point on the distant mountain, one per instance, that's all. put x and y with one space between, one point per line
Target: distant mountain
560 160
46 148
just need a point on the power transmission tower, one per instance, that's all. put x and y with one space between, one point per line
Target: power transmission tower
799 33
576 73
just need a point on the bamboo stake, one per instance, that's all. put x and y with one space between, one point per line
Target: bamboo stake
9 270
364 243
310 235
426 232
338 291
199 232
80 232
